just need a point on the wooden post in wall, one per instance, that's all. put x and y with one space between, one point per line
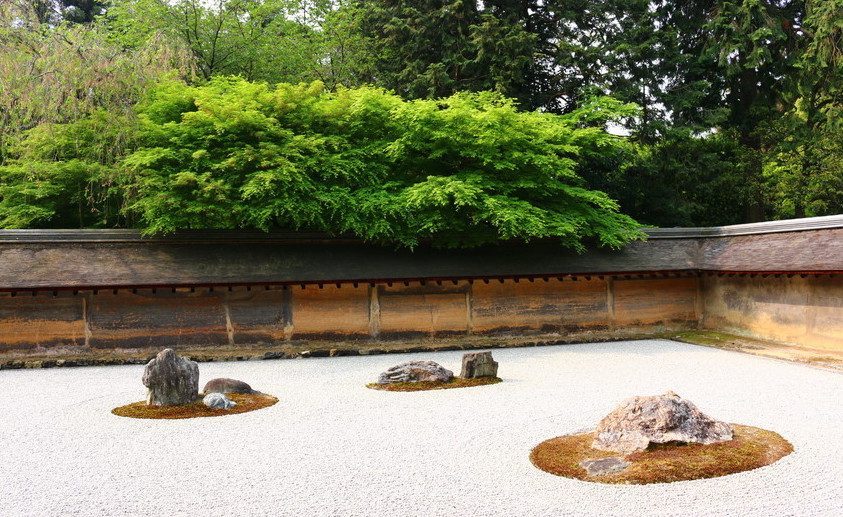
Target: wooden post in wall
610 299
374 312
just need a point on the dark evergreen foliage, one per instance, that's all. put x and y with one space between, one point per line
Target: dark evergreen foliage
739 113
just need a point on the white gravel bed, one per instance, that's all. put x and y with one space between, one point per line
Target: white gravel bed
333 447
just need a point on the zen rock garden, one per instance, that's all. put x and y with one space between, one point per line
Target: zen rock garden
661 438
478 368
565 423
172 384
646 439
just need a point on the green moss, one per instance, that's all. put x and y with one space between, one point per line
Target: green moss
245 403
750 448
707 337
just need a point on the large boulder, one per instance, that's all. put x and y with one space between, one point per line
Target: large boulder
223 385
416 371
172 380
218 401
478 364
658 419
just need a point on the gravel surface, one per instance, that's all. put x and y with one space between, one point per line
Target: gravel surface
333 447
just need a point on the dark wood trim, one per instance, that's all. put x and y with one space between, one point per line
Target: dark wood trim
241 237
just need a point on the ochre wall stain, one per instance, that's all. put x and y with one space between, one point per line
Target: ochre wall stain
540 304
423 309
804 311
649 301
330 311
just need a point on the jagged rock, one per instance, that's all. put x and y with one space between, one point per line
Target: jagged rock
218 401
478 364
223 385
416 371
662 418
172 380
604 466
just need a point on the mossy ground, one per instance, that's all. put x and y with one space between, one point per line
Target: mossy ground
750 448
827 359
245 403
457 382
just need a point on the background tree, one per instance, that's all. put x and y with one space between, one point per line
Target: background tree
433 48
256 39
62 74
461 171
804 169
82 11
739 101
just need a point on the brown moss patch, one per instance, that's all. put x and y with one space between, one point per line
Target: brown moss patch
750 448
457 382
245 403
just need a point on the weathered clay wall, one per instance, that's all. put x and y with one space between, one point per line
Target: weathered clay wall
111 290
800 310
28 322
805 311
179 317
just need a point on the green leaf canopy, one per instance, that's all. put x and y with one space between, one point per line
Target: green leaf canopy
462 171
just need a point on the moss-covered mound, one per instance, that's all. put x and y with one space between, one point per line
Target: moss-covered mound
245 403
750 448
456 382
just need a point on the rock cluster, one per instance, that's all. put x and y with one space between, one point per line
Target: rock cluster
218 401
416 371
658 419
171 380
224 385
478 364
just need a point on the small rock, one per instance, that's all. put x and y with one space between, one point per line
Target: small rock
224 385
478 364
658 419
604 466
218 401
341 352
172 380
416 371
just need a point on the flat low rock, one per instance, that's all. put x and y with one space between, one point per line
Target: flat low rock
218 401
416 371
639 421
603 466
224 385
171 380
478 364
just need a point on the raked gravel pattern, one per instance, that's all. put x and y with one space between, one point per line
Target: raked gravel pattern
333 447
